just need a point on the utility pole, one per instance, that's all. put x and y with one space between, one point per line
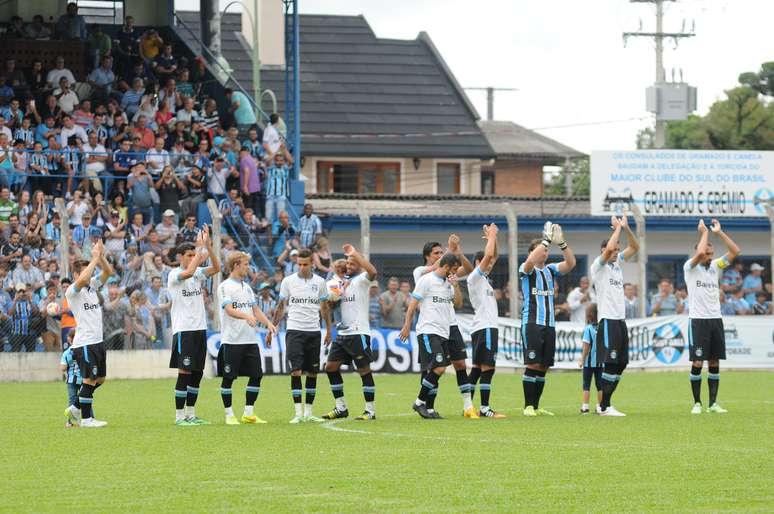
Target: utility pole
659 35
490 98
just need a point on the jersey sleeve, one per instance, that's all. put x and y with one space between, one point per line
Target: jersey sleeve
70 292
475 278
420 290
522 272
63 359
596 265
225 295
587 335
200 274
284 289
687 266
419 271
554 269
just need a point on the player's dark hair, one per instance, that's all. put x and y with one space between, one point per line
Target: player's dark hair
479 256
591 314
304 253
533 244
428 248
79 265
449 259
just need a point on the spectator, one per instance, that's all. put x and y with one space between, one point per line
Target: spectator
23 314
374 307
579 299
141 321
102 79
271 137
147 138
282 231
115 316
66 98
762 305
115 234
631 301
70 130
665 303
157 158
561 307
167 230
7 205
16 79
95 155
277 187
321 256
288 259
309 227
71 25
393 305
77 208
732 277
753 283
130 100
250 182
738 304
37 29
150 45
189 232
195 184
219 177
100 45
26 273
51 335
126 45
241 109
165 64
140 184
209 116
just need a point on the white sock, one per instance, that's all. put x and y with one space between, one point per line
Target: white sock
248 410
298 407
430 410
179 414
485 408
370 407
341 404
229 411
585 406
466 401
419 402
190 411
307 409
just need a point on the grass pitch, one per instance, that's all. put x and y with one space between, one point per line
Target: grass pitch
659 458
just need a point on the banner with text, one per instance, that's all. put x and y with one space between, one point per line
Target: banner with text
682 182
653 343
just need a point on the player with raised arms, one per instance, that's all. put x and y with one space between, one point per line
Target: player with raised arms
189 322
538 330
432 252
433 294
612 333
353 341
304 295
484 331
239 354
88 347
706 335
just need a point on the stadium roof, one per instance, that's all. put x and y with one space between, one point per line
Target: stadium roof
510 140
364 96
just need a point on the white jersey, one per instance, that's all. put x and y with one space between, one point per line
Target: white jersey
704 289
482 298
187 311
303 296
435 294
355 304
419 272
84 303
240 296
608 282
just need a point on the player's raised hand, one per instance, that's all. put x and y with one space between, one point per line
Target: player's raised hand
452 278
624 221
348 249
715 226
614 222
548 229
491 230
454 243
557 236
702 228
97 249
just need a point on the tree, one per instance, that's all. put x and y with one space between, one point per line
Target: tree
581 179
761 81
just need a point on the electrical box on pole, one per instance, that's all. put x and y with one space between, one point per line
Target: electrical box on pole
671 100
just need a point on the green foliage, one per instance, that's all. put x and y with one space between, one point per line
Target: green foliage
761 81
581 181
658 459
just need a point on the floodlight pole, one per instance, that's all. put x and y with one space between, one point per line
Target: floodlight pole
216 228
642 260
365 230
64 237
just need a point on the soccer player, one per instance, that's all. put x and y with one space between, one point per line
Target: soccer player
706 336
591 359
537 315
304 293
189 323
353 341
432 252
433 294
239 354
612 333
484 332
88 346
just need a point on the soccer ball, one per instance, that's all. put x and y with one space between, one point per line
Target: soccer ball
334 289
53 309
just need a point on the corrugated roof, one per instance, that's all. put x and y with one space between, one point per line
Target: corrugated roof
508 139
396 97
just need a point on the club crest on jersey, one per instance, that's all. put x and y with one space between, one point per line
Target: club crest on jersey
315 287
227 368
438 357
186 361
699 352
94 371
613 354
532 354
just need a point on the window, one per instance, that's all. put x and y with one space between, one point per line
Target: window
448 178
487 182
358 177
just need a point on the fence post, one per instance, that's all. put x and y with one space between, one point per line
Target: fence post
770 212
642 260
64 238
513 258
216 234
365 230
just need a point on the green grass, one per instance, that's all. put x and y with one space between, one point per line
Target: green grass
659 458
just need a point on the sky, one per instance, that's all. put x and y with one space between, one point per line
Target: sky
567 58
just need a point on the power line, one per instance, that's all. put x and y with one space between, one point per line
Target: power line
591 123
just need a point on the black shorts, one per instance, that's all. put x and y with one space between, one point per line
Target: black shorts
352 349
485 346
455 344
613 336
92 360
239 360
539 342
588 373
706 340
189 350
302 350
433 351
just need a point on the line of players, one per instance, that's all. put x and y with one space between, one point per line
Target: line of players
305 298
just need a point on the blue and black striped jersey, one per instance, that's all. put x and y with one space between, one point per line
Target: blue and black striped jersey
537 288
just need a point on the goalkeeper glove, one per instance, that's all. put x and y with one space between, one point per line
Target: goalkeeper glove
558 237
547 234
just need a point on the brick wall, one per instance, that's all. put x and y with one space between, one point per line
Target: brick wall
518 178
